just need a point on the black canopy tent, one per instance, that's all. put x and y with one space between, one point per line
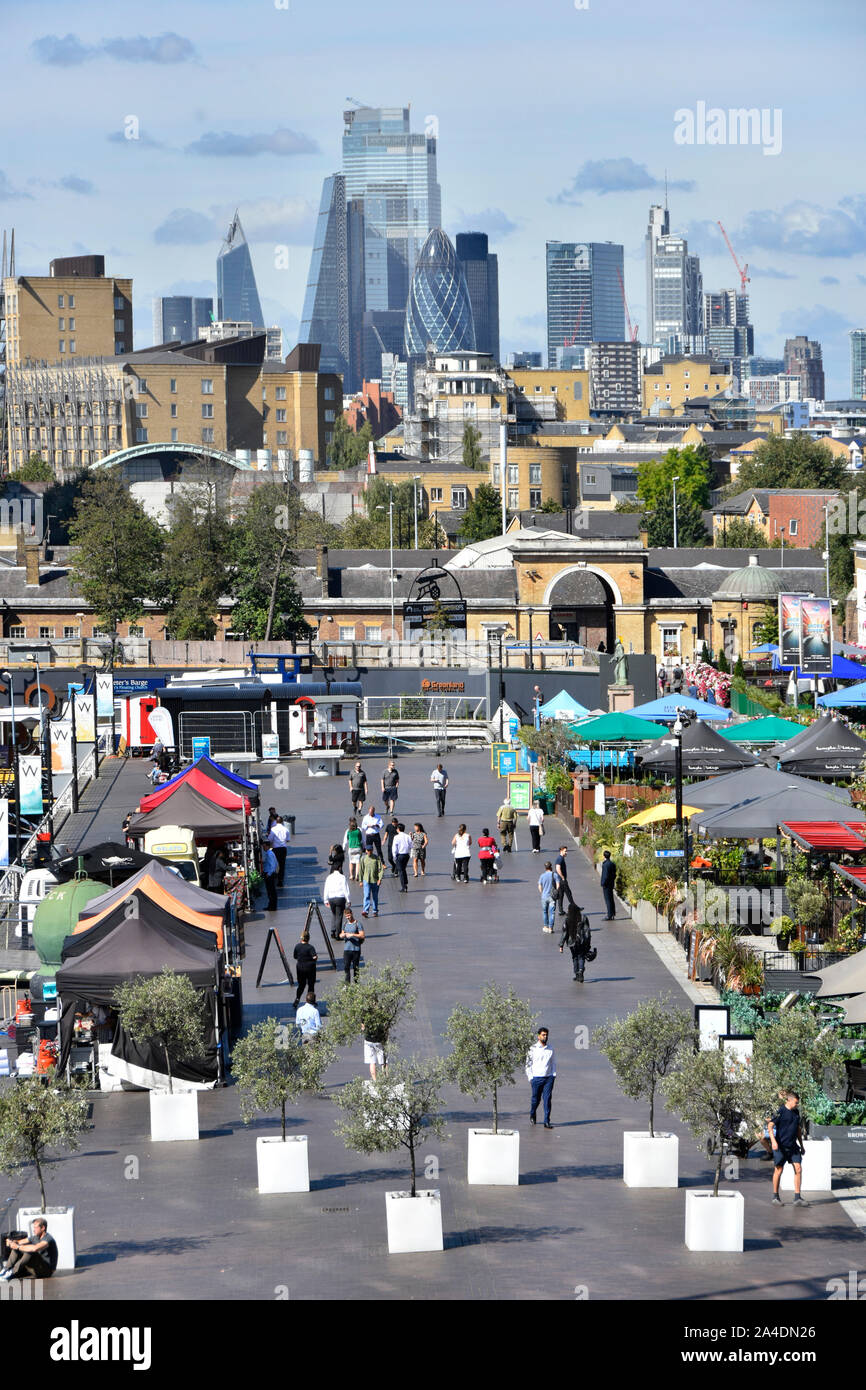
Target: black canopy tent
110 862
119 949
760 817
189 808
830 749
704 752
760 781
186 894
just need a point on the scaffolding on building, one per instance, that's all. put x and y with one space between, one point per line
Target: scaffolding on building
69 413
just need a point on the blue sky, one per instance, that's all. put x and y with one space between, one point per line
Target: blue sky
554 122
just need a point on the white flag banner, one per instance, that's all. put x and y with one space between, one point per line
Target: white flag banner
85 719
30 785
61 745
4 831
104 697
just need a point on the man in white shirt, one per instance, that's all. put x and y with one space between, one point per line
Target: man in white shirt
541 1074
439 778
535 821
371 830
308 1018
278 838
336 894
402 848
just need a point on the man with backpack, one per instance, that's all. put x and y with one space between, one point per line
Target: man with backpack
577 936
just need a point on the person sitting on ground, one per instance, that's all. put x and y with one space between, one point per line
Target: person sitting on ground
36 1258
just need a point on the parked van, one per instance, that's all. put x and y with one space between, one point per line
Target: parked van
177 845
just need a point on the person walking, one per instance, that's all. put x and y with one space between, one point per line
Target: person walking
278 839
608 879
336 858
419 850
535 821
270 869
560 869
306 957
547 889
577 936
352 843
402 851
371 871
272 816
390 785
390 831
308 1019
353 934
786 1137
336 894
371 828
461 849
358 788
541 1074
506 823
487 851
439 778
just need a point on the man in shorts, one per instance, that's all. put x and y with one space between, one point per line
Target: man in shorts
390 784
786 1137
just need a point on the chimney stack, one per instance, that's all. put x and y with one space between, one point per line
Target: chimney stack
322 568
31 566
19 546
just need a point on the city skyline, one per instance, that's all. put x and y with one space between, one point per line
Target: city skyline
158 204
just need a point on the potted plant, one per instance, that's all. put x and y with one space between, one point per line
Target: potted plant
784 929
167 1010
273 1066
373 1006
642 1048
746 973
394 1111
843 1123
715 1106
36 1115
490 1042
797 1052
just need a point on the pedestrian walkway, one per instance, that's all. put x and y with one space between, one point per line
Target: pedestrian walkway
193 1222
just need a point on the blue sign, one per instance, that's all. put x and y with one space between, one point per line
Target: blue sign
507 759
514 727
200 748
137 685
670 853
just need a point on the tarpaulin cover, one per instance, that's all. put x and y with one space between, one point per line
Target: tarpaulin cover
112 861
761 817
190 809
832 750
758 781
667 705
232 781
704 752
769 729
230 798
185 900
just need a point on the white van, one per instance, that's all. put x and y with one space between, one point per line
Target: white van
176 844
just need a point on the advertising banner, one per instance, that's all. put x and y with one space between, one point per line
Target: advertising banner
4 831
816 637
789 629
30 785
61 745
104 697
85 723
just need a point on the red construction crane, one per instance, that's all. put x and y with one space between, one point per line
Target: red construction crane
632 331
571 342
742 270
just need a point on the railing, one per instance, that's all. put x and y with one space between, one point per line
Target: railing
808 963
438 708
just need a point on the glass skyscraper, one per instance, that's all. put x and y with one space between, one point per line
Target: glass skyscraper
482 281
237 296
438 312
674 284
584 295
325 319
179 318
858 364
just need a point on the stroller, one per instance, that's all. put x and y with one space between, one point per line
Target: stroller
492 865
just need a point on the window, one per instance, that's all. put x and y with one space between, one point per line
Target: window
514 499
589 479
281 417
140 436
173 411
458 499
656 386
207 436
141 409
792 527
687 375
61 324
71 344
142 386
372 632
60 301
282 437
329 393
172 385
135 630
496 474
329 417
62 346
119 302
71 632
577 389
553 390
513 473
207 412
71 301
281 393
671 641
538 390
18 631
207 386
435 494
347 634
173 439
47 632
534 474
72 325
535 497
119 348
119 326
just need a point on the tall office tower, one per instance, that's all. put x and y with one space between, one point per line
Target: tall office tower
803 358
728 333
179 318
482 280
524 359
674 283
237 296
439 311
858 364
584 295
325 319
763 366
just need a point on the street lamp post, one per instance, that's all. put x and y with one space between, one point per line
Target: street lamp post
680 724
74 756
826 510
44 754
16 783
531 666
782 534
675 481
415 507
85 669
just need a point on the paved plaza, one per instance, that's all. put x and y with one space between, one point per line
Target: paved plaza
169 1221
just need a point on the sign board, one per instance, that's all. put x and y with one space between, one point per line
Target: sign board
816 637
4 831
789 629
520 790
137 685
270 746
30 785
60 733
104 697
506 762
85 718
670 853
513 728
201 747
713 1021
495 750
737 1050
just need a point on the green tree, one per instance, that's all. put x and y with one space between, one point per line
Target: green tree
655 493
795 1052
267 601
483 517
713 1100
550 505
767 630
490 1042
739 668
272 1066
739 534
691 530
795 462
35 470
374 1006
196 565
644 1047
119 549
396 1111
165 1009
472 447
36 1114
347 449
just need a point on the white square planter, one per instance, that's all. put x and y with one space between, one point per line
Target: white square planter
61 1226
817 1167
494 1159
283 1165
650 1161
173 1115
414 1223
714 1223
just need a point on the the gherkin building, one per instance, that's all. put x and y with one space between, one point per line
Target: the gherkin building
439 311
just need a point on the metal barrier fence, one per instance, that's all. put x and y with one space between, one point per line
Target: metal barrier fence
375 708
231 731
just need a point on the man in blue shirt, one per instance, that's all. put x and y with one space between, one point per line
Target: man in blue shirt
270 869
786 1137
547 889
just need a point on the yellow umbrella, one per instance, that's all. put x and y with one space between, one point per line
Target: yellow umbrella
663 810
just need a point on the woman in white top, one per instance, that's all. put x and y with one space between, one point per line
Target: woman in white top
336 894
535 821
460 849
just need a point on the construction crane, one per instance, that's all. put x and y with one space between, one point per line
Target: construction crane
632 330
572 341
742 270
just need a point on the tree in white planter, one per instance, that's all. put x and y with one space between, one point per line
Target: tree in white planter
166 1009
272 1067
643 1047
373 1006
35 1117
490 1042
713 1102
